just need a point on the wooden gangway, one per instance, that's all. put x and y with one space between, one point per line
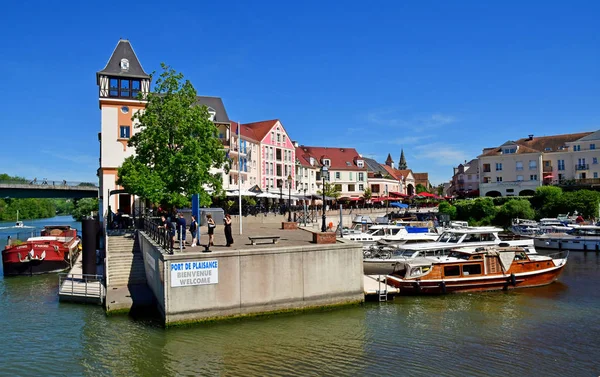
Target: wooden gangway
75 286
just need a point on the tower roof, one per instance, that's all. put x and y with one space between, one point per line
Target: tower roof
131 67
402 164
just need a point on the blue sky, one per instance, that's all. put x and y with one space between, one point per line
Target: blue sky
440 79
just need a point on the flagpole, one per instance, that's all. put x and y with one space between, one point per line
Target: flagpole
239 173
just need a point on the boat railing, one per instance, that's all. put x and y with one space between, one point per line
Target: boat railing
559 255
86 286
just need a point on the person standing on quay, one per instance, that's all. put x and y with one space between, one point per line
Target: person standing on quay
181 228
193 229
228 236
211 229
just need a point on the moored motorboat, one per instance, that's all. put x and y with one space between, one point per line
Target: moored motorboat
484 269
583 238
52 251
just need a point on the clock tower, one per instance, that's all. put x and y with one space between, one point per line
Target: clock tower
123 86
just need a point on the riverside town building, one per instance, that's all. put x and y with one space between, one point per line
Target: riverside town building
262 153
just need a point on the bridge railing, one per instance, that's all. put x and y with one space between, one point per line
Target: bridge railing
158 233
48 182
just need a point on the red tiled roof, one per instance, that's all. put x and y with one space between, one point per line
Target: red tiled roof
396 173
341 158
540 143
261 129
304 158
245 131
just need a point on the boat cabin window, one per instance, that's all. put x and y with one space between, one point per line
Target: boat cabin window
471 269
452 271
378 232
459 255
449 237
521 256
395 231
418 271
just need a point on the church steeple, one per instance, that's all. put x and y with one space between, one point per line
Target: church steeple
402 164
389 162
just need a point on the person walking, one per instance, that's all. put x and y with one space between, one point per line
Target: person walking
228 235
181 229
193 230
211 229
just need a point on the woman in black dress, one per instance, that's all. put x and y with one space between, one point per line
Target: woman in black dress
228 236
211 229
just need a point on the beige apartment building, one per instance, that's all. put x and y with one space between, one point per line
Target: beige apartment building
517 168
465 179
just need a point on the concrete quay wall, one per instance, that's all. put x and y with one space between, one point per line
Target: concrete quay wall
253 280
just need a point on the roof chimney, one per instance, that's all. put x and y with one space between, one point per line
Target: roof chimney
530 136
295 143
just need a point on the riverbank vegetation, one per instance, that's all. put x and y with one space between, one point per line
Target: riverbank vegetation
548 201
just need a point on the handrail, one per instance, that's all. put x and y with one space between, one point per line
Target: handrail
64 277
158 233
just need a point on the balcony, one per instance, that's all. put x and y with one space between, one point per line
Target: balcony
547 169
236 148
508 184
582 167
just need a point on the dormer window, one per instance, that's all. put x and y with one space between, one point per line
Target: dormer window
211 114
326 162
124 65
312 161
510 150
360 163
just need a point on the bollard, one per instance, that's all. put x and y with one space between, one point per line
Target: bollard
295 218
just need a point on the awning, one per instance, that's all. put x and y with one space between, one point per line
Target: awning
548 176
350 199
393 193
398 205
268 195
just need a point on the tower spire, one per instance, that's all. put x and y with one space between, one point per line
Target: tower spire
402 164
389 162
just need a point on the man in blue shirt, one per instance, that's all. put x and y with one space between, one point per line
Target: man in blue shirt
181 229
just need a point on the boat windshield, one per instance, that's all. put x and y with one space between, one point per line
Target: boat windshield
449 237
459 255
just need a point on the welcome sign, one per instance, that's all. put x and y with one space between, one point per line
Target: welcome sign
185 274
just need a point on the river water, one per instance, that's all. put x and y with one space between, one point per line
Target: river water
547 331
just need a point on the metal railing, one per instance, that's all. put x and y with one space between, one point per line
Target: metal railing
582 167
158 233
78 285
48 182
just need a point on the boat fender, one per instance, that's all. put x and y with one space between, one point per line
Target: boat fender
443 287
559 245
513 279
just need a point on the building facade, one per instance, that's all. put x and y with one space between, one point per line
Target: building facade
517 168
465 179
245 158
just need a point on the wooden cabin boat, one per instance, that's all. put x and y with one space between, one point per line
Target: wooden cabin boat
485 269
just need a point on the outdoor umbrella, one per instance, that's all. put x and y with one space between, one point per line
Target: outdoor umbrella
398 205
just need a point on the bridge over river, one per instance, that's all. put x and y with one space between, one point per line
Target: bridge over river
47 189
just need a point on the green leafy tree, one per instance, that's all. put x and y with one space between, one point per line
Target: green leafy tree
514 208
548 201
84 208
420 188
585 202
330 190
176 148
447 209
367 194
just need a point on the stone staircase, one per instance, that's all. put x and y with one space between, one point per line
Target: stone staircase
124 262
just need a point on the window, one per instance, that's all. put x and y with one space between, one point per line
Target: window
468 177
560 177
124 109
135 88
576 148
561 164
361 187
533 177
278 138
510 190
278 154
114 88
350 176
594 160
360 163
351 187
125 132
595 174
510 150
326 162
498 179
338 175
547 149
125 88
519 165
592 146
452 271
487 180
519 178
361 177
486 168
471 269
338 187
272 137
283 138
532 164
498 166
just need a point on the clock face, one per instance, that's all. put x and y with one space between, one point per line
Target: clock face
124 64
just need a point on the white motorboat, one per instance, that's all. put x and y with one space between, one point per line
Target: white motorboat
392 233
583 237
469 238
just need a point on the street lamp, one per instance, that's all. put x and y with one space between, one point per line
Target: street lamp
323 173
289 181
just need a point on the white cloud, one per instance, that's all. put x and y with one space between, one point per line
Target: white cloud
416 123
441 154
